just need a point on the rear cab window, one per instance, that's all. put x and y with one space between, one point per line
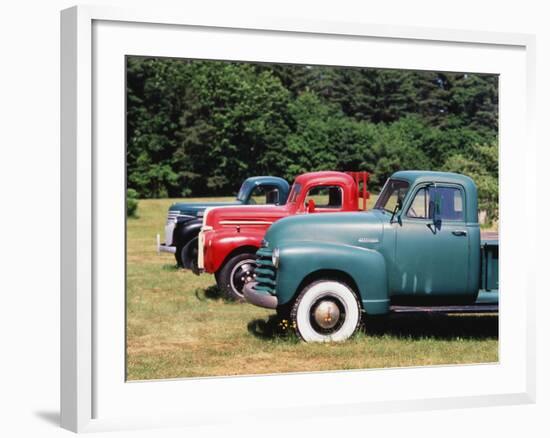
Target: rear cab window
329 197
264 194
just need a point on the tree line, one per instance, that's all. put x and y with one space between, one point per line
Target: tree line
199 128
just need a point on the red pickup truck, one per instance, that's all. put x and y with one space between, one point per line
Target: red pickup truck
230 236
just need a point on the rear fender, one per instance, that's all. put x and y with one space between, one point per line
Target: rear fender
365 266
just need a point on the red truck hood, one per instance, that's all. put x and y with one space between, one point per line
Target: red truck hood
244 216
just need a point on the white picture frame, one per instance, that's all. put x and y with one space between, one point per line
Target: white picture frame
94 41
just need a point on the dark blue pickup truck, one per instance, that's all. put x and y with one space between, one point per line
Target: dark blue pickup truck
185 219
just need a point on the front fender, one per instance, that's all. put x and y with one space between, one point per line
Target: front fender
186 231
221 244
189 254
365 266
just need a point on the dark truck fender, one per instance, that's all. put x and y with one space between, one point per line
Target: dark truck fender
185 235
189 254
303 262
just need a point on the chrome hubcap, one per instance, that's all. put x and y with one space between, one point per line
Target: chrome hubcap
241 274
326 314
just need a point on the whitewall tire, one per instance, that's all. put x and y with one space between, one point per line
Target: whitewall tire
326 311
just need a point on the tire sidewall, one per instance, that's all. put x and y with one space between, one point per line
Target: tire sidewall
224 277
300 314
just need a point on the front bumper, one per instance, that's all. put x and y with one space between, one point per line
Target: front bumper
200 243
162 247
261 299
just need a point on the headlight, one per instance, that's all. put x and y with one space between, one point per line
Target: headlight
275 257
264 243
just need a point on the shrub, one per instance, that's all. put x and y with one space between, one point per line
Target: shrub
131 203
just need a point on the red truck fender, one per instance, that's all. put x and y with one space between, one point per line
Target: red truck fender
221 245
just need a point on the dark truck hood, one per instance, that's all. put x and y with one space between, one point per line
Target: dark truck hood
357 229
193 209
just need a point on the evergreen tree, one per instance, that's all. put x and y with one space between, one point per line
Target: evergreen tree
201 127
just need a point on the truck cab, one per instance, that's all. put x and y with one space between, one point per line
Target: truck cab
420 245
231 236
185 219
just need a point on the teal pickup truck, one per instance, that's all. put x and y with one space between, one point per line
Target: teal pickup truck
419 246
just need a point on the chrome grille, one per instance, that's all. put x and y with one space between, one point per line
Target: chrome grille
170 225
172 216
266 273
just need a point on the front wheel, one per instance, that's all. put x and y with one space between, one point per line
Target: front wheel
235 273
326 310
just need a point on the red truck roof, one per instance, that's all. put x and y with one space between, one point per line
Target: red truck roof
324 177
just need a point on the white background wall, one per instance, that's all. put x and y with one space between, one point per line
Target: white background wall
29 215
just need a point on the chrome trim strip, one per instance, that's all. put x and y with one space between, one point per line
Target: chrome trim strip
245 223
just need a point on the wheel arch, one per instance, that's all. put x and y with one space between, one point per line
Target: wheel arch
330 275
238 251
225 244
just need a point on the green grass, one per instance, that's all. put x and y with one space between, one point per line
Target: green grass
179 326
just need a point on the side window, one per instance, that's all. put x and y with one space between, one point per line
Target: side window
264 195
325 196
420 206
451 206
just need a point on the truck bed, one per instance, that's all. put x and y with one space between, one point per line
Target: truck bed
489 236
488 282
489 261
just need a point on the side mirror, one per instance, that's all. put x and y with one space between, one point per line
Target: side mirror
310 206
397 211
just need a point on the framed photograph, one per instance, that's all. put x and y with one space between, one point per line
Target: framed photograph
292 209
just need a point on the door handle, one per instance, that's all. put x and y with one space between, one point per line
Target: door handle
459 233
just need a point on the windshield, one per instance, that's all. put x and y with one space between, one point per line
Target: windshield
394 190
294 192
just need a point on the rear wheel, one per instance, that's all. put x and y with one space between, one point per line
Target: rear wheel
326 310
235 273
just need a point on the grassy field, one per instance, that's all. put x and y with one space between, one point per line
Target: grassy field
179 326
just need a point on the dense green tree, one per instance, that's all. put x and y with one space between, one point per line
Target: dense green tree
156 90
318 128
201 127
482 167
234 123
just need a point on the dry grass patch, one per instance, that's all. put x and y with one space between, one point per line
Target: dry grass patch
179 326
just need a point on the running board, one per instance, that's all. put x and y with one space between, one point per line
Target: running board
475 308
